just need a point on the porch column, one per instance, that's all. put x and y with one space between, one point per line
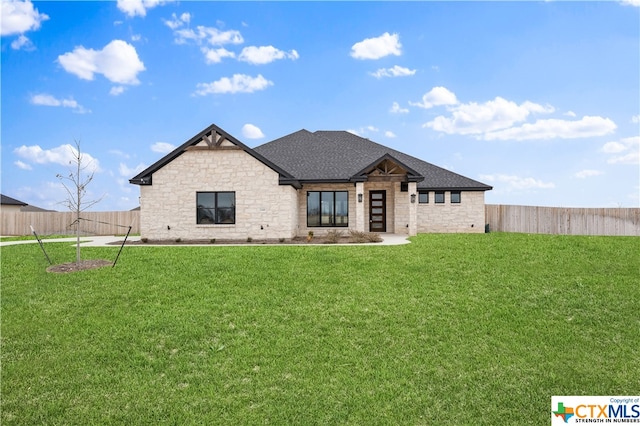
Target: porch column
360 219
413 209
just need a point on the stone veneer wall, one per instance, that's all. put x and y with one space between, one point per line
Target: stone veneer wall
170 202
468 216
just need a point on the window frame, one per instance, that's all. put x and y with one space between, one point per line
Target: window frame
218 219
459 194
435 198
324 196
420 194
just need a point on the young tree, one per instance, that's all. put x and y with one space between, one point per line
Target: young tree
80 175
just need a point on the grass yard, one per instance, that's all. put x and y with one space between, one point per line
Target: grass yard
451 329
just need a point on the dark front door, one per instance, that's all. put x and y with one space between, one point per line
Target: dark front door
377 211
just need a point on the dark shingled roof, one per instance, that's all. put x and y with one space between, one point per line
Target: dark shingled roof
11 201
339 156
327 156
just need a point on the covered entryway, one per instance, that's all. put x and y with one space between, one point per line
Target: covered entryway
377 211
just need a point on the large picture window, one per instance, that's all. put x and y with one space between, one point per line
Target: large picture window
327 208
216 207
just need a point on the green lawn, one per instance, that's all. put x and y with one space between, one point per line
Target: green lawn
451 329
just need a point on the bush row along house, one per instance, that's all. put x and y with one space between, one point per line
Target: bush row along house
214 186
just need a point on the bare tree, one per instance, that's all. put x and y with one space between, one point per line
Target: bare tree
80 175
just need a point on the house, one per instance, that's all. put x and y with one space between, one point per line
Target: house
10 204
214 186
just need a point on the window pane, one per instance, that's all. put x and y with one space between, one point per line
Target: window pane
342 208
326 204
313 209
439 197
226 207
206 202
226 199
423 197
455 196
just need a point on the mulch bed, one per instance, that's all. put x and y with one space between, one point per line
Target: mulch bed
82 266
296 241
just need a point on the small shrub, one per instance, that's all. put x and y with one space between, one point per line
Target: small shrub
310 236
333 236
374 238
281 240
249 239
144 240
212 241
178 240
358 236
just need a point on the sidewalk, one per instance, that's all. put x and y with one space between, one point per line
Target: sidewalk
113 241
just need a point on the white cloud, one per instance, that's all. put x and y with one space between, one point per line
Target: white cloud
162 147
213 36
117 90
176 22
396 71
628 150
436 97
138 7
635 3
44 99
570 114
239 83
214 56
635 119
517 183
18 17
582 174
377 47
555 129
118 61
362 131
136 37
395 109
250 131
62 155
23 43
475 119
128 172
265 54
23 166
390 134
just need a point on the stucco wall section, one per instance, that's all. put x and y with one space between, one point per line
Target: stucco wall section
468 216
264 209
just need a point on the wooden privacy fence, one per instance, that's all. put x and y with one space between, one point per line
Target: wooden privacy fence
560 220
63 223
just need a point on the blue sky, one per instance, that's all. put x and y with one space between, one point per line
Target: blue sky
541 100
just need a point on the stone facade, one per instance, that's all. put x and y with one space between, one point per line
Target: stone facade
467 216
264 209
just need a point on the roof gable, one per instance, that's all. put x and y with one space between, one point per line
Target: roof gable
213 137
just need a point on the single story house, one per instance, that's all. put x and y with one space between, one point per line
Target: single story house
9 204
214 186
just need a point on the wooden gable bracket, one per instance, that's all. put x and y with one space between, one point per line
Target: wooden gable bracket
214 140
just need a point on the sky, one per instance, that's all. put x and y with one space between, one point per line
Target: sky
540 100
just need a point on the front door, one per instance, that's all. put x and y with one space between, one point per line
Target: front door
377 211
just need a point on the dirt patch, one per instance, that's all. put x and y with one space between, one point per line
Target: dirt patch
82 266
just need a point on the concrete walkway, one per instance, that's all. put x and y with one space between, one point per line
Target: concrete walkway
110 241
